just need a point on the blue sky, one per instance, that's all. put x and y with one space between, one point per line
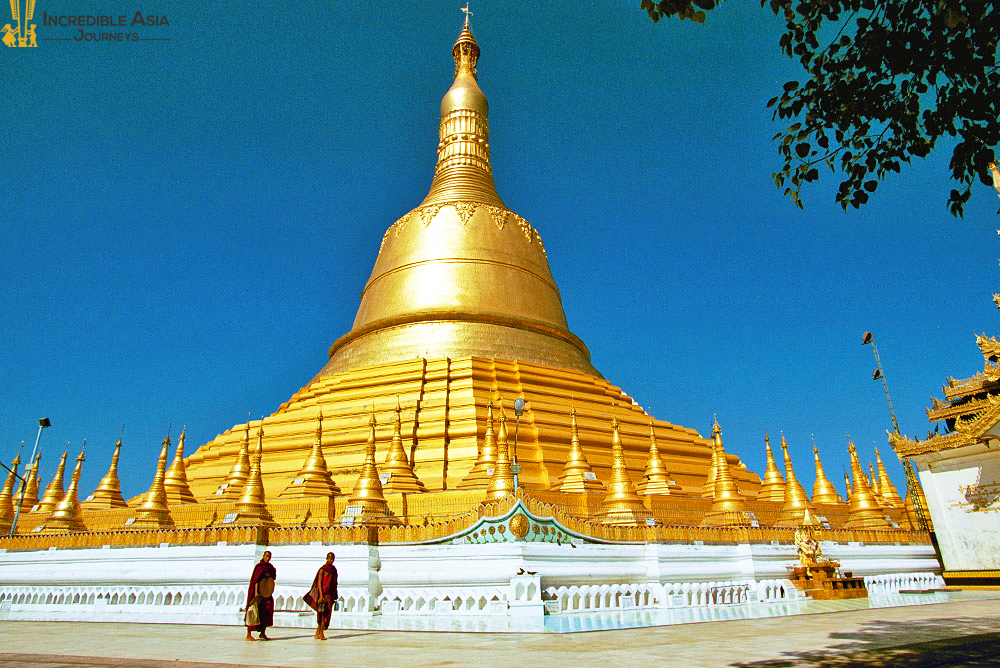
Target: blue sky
187 223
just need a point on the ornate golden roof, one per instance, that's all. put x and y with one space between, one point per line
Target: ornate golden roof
461 274
728 505
68 515
108 493
577 474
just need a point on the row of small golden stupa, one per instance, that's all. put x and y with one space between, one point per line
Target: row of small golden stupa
622 503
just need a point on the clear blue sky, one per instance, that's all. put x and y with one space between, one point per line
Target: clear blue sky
187 223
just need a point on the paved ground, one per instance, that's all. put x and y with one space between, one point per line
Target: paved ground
959 633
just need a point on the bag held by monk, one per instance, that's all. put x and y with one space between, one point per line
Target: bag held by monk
252 616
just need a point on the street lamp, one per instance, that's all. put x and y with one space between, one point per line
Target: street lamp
518 412
42 424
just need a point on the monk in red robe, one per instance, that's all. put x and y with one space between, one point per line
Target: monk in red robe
261 589
322 595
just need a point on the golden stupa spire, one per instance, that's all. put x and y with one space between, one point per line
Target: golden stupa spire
252 506
442 281
823 489
54 492
153 513
621 505
67 514
655 480
31 493
793 510
729 506
773 487
232 487
502 480
577 475
6 497
847 486
863 510
314 478
397 468
463 169
109 492
889 493
176 482
480 474
367 504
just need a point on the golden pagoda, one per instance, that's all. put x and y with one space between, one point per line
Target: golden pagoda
54 492
175 480
486 462
154 513
108 493
708 488
823 489
863 510
728 506
847 485
67 514
655 480
367 504
6 497
577 475
314 478
889 493
502 481
461 300
252 506
31 493
231 488
621 504
796 502
396 468
773 487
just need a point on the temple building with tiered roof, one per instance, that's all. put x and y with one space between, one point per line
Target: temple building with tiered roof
959 470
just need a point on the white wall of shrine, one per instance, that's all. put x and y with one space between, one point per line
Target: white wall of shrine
962 487
207 583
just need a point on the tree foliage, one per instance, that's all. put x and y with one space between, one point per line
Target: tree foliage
884 81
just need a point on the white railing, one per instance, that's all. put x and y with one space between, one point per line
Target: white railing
892 583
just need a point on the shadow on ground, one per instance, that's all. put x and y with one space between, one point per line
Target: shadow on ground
962 642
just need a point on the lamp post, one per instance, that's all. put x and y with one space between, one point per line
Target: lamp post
42 424
518 412
911 478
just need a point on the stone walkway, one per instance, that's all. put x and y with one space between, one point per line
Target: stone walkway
958 633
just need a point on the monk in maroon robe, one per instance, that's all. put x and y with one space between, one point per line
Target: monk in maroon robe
262 586
323 595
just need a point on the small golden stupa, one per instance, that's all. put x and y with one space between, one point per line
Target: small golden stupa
367 504
175 480
656 479
793 510
773 487
889 493
252 506
68 514
621 504
54 492
153 512
577 475
396 468
480 474
728 506
31 493
863 510
313 479
109 492
823 489
502 481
